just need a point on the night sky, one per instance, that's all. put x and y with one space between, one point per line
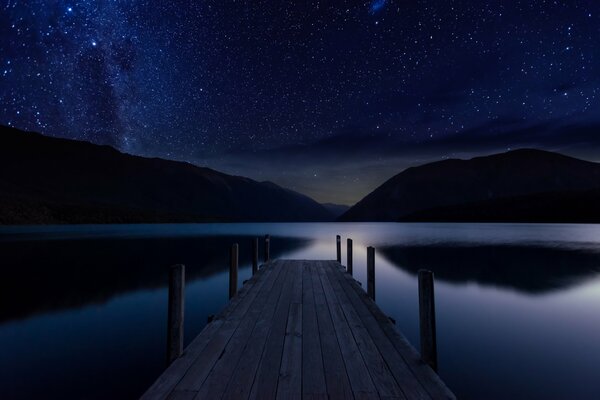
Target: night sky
328 98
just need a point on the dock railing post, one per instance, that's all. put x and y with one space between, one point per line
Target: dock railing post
427 319
267 248
371 272
233 270
254 255
175 312
349 256
338 247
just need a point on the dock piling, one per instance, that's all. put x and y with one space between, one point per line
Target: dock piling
254 255
427 319
371 272
338 246
233 270
267 248
349 256
175 313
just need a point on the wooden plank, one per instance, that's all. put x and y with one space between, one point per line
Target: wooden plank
289 385
199 370
240 383
381 375
432 383
172 375
216 383
406 380
300 329
336 378
358 373
313 373
181 395
265 382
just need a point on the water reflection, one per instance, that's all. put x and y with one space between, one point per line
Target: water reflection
530 269
40 276
83 308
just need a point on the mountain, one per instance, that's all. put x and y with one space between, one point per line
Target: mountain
51 180
521 185
336 209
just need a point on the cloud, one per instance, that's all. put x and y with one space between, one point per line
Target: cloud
346 167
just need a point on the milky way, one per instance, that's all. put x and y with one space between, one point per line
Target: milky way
200 81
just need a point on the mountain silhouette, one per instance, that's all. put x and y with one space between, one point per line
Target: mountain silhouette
521 185
51 180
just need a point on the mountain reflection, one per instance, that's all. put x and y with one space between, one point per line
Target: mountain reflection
41 276
529 269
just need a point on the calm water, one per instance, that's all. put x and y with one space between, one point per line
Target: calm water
83 308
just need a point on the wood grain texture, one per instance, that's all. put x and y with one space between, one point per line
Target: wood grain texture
300 330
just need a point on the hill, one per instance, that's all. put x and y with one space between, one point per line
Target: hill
51 180
521 185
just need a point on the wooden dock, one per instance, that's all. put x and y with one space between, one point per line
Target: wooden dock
300 330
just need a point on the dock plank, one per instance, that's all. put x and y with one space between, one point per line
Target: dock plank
358 373
240 383
216 382
300 330
267 377
202 366
336 377
167 381
313 373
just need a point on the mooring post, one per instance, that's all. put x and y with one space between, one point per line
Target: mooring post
233 270
427 319
267 248
175 313
371 272
338 247
349 256
254 255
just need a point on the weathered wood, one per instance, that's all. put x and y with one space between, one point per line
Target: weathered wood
267 376
411 388
173 374
267 248
336 378
423 372
175 312
382 377
338 248
233 270
240 383
199 370
216 383
254 255
371 272
349 256
358 372
313 374
427 319
300 329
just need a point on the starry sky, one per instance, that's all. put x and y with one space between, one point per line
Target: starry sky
330 98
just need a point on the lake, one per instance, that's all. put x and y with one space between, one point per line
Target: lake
83 308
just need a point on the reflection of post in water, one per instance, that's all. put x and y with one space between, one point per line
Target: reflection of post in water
175 313
427 319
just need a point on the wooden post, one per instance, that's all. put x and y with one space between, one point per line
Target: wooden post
349 256
338 247
371 272
267 248
427 319
254 255
175 313
233 270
